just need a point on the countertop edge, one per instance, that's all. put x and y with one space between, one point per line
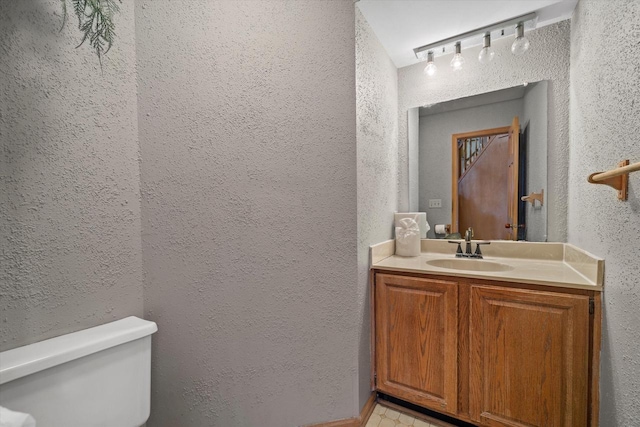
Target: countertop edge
575 267
466 275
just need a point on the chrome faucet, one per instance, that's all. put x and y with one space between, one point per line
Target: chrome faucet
468 235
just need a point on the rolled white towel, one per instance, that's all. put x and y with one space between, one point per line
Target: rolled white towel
407 238
15 419
419 217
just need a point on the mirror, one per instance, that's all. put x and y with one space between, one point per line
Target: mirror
478 158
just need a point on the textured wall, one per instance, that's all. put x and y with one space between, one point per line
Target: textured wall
248 137
69 197
605 101
535 118
547 59
377 132
435 151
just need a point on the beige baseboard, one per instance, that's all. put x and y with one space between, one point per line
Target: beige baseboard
359 421
367 409
347 422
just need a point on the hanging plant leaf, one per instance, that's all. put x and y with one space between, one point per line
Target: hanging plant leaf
95 21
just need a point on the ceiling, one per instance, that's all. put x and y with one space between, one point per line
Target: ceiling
402 25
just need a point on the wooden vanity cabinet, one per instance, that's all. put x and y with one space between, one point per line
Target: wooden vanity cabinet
490 353
417 340
529 357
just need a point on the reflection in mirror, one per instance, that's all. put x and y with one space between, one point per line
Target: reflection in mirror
478 157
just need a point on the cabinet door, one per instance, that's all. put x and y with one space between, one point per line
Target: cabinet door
529 357
417 341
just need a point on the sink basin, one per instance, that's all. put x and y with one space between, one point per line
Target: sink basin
469 264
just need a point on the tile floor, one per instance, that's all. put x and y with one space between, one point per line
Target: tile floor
387 417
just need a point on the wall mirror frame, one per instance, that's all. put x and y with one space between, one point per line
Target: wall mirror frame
468 172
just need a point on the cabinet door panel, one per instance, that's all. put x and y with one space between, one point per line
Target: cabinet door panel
529 358
416 340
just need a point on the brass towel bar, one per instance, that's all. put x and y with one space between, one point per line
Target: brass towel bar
617 178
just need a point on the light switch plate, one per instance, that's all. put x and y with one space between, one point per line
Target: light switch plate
435 203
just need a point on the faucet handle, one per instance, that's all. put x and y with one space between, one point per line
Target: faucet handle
478 252
459 250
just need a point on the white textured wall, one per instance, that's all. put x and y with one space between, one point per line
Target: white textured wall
69 197
605 112
435 151
248 137
377 133
547 59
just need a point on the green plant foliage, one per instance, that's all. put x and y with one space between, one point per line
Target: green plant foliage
95 22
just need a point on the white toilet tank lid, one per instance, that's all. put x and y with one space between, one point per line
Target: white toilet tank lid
27 360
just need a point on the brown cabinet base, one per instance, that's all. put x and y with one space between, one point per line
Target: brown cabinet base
486 352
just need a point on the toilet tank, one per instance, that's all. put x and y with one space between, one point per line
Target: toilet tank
96 377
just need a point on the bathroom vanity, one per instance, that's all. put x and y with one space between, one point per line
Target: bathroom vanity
509 340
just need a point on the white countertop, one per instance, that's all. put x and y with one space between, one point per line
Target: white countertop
549 264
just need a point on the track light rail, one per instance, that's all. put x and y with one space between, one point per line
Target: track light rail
420 52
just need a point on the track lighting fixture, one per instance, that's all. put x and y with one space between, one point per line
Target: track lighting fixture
480 36
521 43
487 53
431 69
458 60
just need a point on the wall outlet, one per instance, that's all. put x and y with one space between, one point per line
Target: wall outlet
435 203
